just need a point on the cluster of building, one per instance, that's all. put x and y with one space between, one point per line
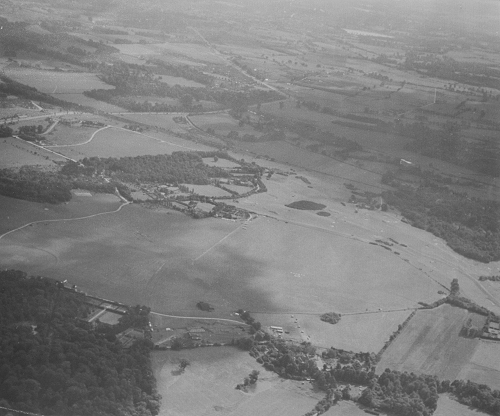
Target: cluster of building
492 331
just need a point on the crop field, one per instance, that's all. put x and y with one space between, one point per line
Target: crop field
213 374
114 142
53 82
482 368
430 344
156 120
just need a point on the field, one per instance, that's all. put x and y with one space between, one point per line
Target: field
207 386
431 344
15 153
56 82
208 190
16 212
119 142
449 407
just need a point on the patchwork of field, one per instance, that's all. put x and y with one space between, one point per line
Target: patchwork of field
53 82
430 344
207 386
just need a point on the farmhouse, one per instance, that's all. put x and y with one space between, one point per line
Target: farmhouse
277 329
493 330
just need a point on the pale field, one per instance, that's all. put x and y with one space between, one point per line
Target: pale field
15 153
344 408
207 386
449 407
114 142
239 188
53 82
430 344
68 135
208 190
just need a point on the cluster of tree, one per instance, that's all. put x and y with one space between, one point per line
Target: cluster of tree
245 315
478 396
10 87
402 393
490 278
34 185
53 362
249 381
444 67
5 131
204 306
330 317
454 288
447 144
179 167
182 71
131 80
470 226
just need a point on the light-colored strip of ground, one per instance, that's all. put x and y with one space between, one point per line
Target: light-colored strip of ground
197 318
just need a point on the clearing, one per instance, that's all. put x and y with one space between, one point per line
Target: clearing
213 374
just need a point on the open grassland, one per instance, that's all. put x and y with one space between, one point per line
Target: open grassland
53 82
430 344
207 386
80 99
114 142
16 212
449 407
366 332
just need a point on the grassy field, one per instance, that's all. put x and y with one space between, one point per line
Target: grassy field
56 82
207 386
449 407
431 344
115 142
16 212
208 190
360 333
15 153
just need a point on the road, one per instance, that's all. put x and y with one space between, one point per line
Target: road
228 60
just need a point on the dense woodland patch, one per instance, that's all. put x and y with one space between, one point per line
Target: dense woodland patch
470 226
53 362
